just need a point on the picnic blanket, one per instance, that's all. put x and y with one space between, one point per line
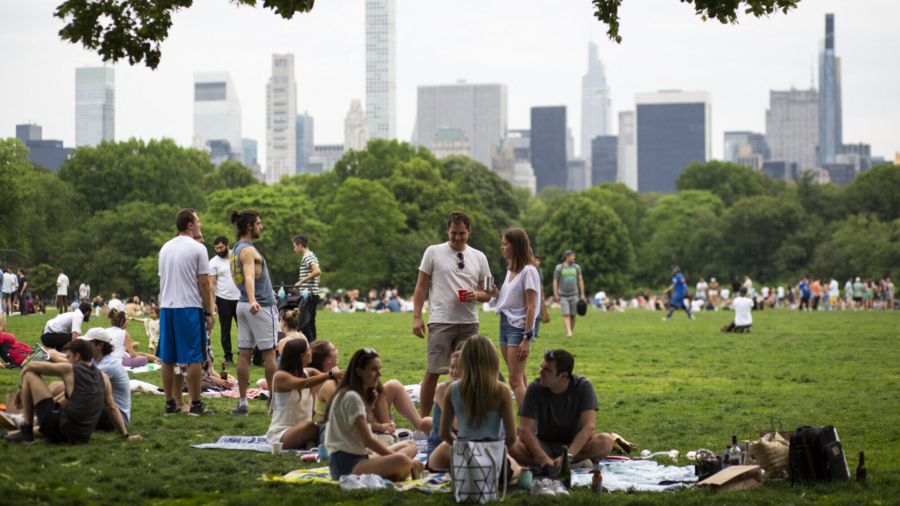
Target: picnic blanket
638 475
143 368
253 443
431 483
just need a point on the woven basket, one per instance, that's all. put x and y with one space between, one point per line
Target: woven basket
772 454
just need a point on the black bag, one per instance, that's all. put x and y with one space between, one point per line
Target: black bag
581 307
290 302
816 455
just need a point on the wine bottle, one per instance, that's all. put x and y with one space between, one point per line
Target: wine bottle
224 373
565 473
748 457
861 468
726 462
597 480
735 451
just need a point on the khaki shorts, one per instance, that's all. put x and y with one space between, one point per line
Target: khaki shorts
569 304
443 338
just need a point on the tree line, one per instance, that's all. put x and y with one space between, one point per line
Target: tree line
103 216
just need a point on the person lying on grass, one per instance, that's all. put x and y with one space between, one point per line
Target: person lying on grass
347 435
564 407
434 438
12 352
87 391
480 404
292 400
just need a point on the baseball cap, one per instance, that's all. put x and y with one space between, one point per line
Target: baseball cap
97 334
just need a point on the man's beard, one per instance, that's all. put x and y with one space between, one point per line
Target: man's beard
223 253
254 234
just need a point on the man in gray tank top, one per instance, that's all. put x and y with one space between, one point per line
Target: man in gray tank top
257 315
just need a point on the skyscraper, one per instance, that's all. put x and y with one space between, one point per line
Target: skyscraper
626 152
548 146
595 106
734 139
95 105
604 159
248 152
49 153
792 127
673 130
381 69
217 113
305 142
356 130
281 119
830 123
478 109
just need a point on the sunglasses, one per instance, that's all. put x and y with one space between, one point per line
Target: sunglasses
460 264
370 351
549 354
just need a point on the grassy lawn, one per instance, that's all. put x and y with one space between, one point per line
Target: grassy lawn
679 384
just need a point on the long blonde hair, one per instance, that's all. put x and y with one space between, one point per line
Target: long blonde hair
479 367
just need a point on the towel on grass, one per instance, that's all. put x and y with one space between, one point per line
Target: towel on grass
143 368
640 475
143 387
253 443
431 483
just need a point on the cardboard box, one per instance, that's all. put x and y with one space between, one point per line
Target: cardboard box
734 478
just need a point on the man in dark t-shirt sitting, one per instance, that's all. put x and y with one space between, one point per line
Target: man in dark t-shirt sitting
85 387
559 409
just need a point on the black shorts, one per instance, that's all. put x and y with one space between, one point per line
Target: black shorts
47 412
105 423
857 299
551 448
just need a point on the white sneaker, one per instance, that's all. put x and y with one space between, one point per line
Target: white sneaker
558 488
693 317
419 436
666 319
542 487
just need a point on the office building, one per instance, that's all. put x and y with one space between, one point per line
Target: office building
381 69
503 159
248 152
520 141
595 104
830 121
839 173
780 170
604 159
217 115
792 126
548 146
626 152
746 156
673 131
478 109
323 158
863 151
95 105
356 130
734 139
305 141
281 119
578 176
450 141
47 153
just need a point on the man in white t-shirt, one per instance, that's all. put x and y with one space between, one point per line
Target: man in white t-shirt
66 327
186 310
834 293
62 291
702 286
84 292
779 296
742 318
10 283
225 293
600 300
454 271
116 303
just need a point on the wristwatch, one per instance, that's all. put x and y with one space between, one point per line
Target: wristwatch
331 374
527 335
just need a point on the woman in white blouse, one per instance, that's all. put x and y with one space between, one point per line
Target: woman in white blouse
517 306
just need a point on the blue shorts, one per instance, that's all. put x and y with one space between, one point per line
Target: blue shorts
511 336
341 463
182 335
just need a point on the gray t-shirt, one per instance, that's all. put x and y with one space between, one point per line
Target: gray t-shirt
558 416
568 279
118 380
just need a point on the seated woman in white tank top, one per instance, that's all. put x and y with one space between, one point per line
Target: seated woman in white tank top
121 341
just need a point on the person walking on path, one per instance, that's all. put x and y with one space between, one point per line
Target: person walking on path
453 271
679 289
186 311
225 293
568 289
309 280
257 311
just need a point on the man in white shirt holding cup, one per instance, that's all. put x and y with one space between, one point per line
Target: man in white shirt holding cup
454 272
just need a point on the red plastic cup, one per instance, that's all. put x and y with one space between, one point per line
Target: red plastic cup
462 294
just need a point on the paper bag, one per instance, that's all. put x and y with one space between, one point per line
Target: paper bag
734 478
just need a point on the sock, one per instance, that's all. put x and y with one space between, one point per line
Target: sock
242 402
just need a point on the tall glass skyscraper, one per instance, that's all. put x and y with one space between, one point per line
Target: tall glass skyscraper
595 106
305 141
830 129
548 146
95 105
381 69
217 111
792 126
281 119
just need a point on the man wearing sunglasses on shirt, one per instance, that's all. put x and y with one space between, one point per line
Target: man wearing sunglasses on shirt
454 271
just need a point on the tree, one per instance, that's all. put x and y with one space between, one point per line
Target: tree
730 181
627 204
367 224
598 238
495 193
877 191
135 29
157 171
14 165
869 246
50 213
229 175
824 200
379 160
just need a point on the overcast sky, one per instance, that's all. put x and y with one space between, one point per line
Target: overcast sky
538 51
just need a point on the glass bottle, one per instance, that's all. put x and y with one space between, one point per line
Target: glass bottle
861 468
597 480
565 472
224 373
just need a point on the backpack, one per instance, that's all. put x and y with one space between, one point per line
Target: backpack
816 455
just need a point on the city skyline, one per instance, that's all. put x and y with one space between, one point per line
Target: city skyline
661 40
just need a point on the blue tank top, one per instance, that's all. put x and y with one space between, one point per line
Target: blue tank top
490 429
265 295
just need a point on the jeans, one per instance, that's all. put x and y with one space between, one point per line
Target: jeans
310 329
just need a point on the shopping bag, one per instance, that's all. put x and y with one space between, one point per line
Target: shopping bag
475 468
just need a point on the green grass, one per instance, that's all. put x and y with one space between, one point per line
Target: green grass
663 385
